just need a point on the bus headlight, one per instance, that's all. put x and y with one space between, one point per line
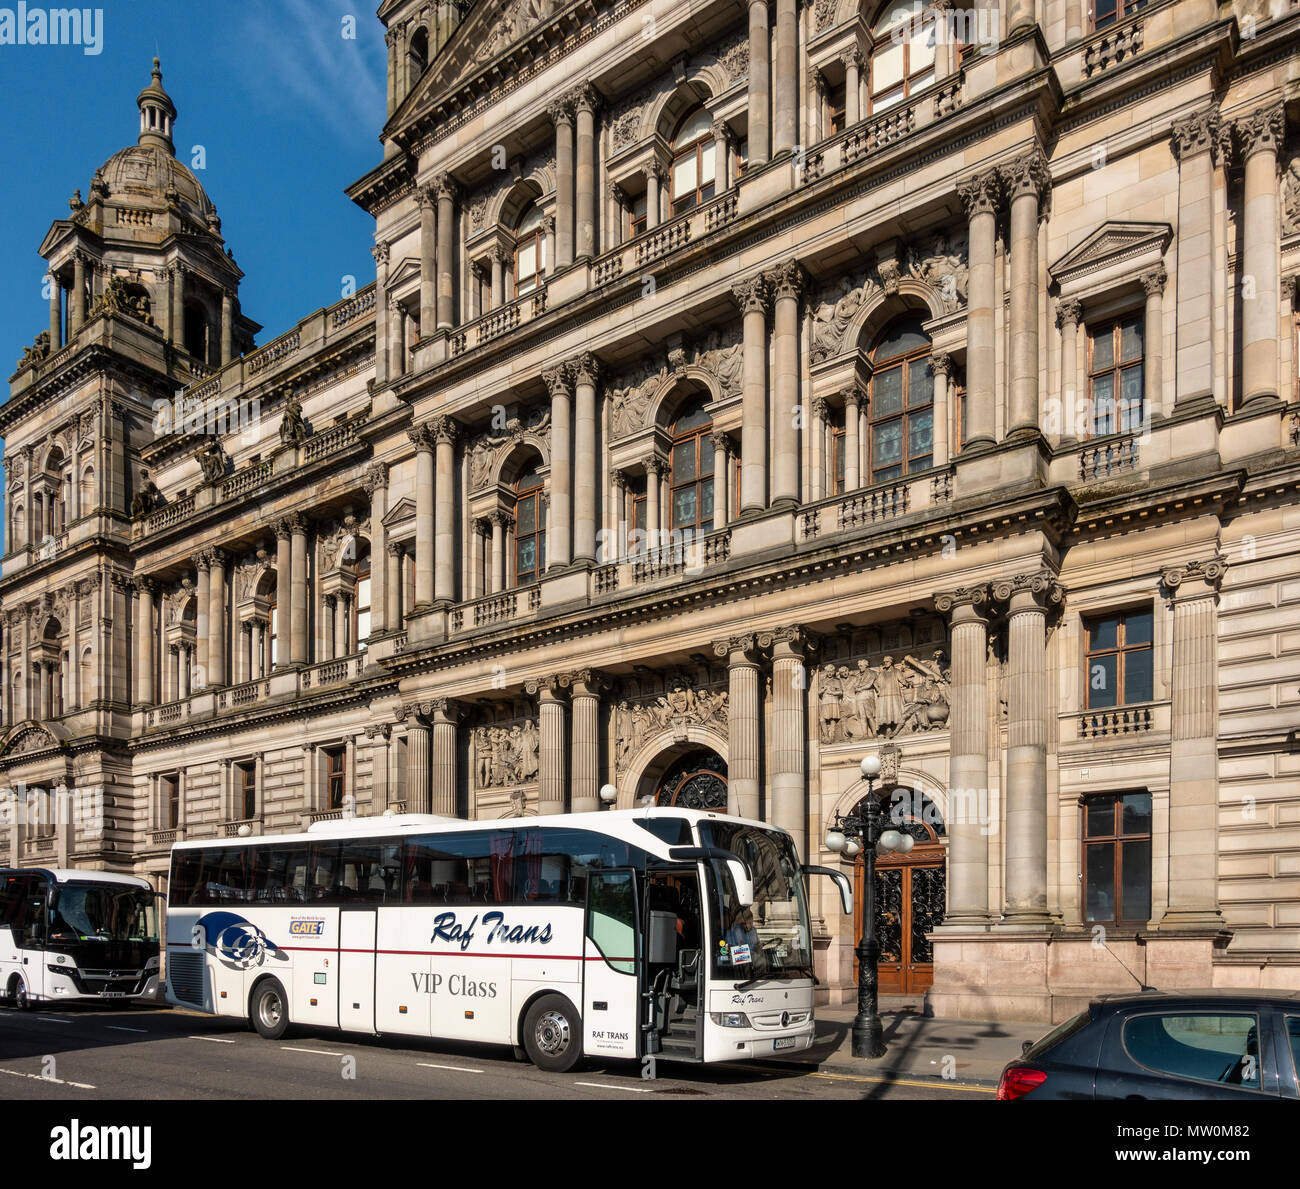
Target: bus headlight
729 1019
68 970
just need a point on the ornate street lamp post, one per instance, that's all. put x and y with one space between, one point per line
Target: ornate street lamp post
861 831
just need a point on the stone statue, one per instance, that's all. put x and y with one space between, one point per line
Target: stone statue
942 266
831 697
864 700
929 704
630 401
40 349
727 362
891 683
293 429
832 317
146 500
886 700
212 458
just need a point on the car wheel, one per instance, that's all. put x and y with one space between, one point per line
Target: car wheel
269 1010
553 1034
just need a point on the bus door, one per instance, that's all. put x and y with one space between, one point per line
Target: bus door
356 967
610 986
674 951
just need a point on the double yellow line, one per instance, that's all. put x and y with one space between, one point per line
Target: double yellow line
928 1085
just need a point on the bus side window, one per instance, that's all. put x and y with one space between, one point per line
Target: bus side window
323 873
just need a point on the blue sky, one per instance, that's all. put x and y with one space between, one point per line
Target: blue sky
288 112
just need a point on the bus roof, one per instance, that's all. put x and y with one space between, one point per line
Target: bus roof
76 875
425 823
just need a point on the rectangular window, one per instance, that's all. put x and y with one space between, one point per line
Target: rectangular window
1119 660
170 786
246 776
835 107
1115 371
476 867
1116 829
637 215
336 776
1109 12
837 447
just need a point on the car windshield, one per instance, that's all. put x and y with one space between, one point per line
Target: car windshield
771 937
103 912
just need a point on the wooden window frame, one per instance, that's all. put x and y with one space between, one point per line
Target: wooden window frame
907 83
680 204
247 769
539 534
903 414
1121 651
697 434
1124 9
537 236
1115 324
336 776
1114 840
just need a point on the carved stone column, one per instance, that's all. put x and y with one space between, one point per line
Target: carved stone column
1026 180
586 688
298 644
982 195
853 63
427 199
723 139
445 190
654 470
500 258
743 718
1260 134
655 176
753 298
1025 885
418 799
144 639
789 782
227 326
561 114
480 531
552 779
721 479
376 485
380 253
500 520
559 526
968 766
786 95
586 102
941 365
1194 139
1153 285
585 373
1193 753
444 566
217 618
56 314
759 84
786 285
283 588
852 446
1068 313
445 715
77 313
425 442
394 602
178 306
202 612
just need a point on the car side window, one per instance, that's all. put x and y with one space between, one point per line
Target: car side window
1293 1035
1221 1048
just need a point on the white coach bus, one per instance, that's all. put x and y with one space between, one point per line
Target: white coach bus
671 932
68 935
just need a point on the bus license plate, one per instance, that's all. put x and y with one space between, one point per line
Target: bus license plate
122 995
785 1042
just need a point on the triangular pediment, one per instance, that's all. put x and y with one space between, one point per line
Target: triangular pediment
30 736
490 29
400 512
1112 243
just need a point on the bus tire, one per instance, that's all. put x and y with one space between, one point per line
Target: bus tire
268 1010
17 994
553 1034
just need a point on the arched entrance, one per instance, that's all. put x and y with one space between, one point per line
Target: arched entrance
910 895
696 780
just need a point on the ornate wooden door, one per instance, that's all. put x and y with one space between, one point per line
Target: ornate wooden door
910 897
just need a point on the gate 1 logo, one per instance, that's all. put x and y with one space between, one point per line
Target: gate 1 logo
301 927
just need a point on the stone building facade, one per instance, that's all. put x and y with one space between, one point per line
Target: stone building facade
743 388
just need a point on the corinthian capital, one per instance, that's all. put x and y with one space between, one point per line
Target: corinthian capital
558 381
422 436
786 280
380 253
753 295
443 185
444 429
1153 281
1262 130
561 111
1027 174
584 369
585 97
1197 133
981 194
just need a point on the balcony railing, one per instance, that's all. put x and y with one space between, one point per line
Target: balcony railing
1110 457
873 506
332 672
1115 722
231 829
331 441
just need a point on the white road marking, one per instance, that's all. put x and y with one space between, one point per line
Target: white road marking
216 1040
49 1020
121 1028
318 1052
609 1086
454 1068
39 1078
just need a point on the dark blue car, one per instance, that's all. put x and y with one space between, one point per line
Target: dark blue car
1210 1045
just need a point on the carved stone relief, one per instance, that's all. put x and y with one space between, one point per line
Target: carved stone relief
718 353
486 449
505 754
668 702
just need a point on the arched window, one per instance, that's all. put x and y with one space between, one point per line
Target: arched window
530 526
902 55
417 56
87 501
901 401
530 251
693 165
361 599
691 474
20 528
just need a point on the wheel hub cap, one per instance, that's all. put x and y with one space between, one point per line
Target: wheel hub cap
552 1033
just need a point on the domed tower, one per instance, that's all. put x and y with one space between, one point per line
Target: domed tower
146 244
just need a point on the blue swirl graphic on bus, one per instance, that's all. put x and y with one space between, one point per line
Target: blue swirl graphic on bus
235 940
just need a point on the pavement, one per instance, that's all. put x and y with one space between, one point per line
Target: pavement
920 1047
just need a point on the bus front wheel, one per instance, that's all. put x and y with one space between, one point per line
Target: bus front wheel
17 994
270 1009
553 1034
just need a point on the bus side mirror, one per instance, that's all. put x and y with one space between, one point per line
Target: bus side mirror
740 874
841 882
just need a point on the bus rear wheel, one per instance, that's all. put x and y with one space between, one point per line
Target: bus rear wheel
553 1034
269 1010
